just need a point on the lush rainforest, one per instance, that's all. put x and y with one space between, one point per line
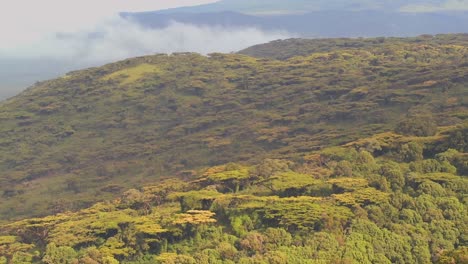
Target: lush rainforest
389 198
296 151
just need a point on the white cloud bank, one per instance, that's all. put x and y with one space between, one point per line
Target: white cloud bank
25 21
119 38
47 55
90 31
46 38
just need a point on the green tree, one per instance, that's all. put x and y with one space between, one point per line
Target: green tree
394 175
417 125
59 255
411 152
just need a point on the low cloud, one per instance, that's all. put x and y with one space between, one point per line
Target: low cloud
118 39
121 38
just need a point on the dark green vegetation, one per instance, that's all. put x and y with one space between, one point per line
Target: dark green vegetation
354 152
69 142
385 199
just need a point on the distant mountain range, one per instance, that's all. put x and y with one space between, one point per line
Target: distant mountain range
332 18
326 23
269 7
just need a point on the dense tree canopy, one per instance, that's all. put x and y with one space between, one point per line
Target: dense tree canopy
386 209
88 136
352 152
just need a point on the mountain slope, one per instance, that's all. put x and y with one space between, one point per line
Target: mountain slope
69 142
357 18
375 200
286 49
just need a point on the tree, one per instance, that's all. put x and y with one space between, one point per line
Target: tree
394 175
343 168
411 152
253 243
269 167
417 125
59 255
11 248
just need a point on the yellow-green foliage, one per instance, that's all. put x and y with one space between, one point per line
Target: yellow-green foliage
290 180
133 74
293 192
195 217
88 227
195 199
11 247
361 197
6 240
225 173
303 213
191 222
195 195
458 184
69 142
440 177
349 184
148 225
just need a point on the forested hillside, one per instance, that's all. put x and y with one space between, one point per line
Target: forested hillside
285 49
88 136
305 151
389 198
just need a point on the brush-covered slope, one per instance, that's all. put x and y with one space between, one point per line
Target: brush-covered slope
285 49
389 198
69 142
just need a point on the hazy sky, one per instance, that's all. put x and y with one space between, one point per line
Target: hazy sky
28 24
89 31
447 5
26 21
41 39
